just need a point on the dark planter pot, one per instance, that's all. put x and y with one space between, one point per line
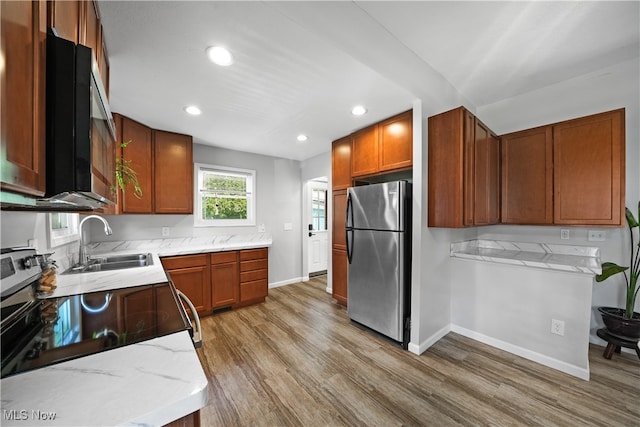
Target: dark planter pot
620 326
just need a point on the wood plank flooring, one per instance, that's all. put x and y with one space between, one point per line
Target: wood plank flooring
297 360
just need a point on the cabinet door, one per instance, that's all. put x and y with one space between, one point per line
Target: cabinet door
173 173
527 177
195 283
225 280
447 172
64 16
364 152
140 153
486 201
468 189
90 31
339 220
341 163
339 276
589 170
395 142
22 84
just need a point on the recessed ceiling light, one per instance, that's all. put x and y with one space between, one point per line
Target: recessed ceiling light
358 110
193 110
302 138
219 55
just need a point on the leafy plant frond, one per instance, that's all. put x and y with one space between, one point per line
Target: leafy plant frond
609 268
125 174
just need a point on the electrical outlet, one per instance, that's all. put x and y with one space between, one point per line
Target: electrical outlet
165 231
597 236
288 226
564 234
262 228
557 327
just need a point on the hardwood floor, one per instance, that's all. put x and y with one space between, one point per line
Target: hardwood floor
297 360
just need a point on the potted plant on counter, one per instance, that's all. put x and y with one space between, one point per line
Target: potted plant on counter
624 323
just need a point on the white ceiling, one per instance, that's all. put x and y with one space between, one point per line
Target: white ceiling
301 66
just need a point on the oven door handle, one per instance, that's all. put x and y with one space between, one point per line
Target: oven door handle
197 334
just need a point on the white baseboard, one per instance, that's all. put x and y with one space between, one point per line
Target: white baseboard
423 346
576 371
286 282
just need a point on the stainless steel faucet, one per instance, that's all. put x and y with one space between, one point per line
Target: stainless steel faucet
83 258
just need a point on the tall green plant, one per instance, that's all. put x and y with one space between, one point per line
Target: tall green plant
609 268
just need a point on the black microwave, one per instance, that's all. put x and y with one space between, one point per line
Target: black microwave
80 130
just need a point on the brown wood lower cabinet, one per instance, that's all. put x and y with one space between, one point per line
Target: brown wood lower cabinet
191 420
191 275
221 279
254 275
339 277
224 279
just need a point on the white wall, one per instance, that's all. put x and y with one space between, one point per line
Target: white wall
615 87
278 188
17 228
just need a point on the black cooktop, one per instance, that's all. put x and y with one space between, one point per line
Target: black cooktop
59 329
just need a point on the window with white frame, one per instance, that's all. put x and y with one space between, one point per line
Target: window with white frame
224 196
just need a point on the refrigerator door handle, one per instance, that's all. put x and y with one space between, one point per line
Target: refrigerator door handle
348 228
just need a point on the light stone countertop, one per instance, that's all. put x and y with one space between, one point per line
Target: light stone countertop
148 383
568 258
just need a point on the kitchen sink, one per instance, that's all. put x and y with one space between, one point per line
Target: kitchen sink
114 262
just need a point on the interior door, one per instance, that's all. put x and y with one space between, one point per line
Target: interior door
318 243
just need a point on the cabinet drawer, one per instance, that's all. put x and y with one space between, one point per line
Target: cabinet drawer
250 276
253 290
258 264
172 263
249 254
223 257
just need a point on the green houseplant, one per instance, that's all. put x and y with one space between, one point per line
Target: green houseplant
125 175
630 326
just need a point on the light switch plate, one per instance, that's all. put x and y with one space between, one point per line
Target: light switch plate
288 226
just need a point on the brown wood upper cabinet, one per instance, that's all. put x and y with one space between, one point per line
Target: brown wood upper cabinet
395 140
79 21
139 152
383 147
22 46
566 173
464 171
341 163
173 173
589 170
527 176
163 162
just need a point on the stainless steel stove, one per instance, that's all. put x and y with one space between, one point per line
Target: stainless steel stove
38 332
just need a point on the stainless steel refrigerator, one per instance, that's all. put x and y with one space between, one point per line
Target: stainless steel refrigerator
378 227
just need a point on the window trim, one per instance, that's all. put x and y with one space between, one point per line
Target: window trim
251 201
63 236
